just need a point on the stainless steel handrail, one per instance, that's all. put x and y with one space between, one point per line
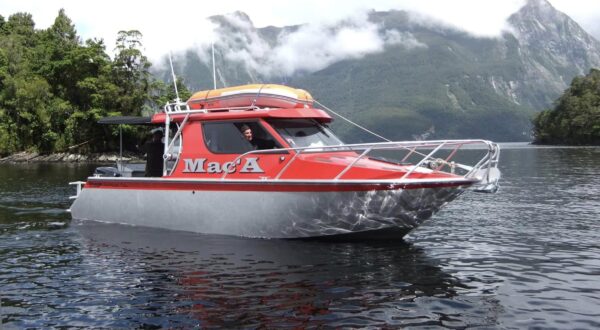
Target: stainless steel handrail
184 108
422 161
488 161
366 152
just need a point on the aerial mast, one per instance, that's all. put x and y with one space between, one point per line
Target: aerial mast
212 45
174 79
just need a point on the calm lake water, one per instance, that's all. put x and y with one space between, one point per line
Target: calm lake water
528 256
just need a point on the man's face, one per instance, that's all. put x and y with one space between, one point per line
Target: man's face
248 134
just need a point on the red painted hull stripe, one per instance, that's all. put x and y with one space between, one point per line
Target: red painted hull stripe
236 186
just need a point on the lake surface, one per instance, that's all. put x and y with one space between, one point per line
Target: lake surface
528 256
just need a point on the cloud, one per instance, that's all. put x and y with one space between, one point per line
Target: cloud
586 13
316 46
309 48
178 24
406 39
479 19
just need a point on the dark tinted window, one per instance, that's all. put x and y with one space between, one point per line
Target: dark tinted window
226 137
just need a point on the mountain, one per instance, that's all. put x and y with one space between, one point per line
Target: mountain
553 49
420 78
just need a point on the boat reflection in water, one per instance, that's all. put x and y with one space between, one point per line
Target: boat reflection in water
180 279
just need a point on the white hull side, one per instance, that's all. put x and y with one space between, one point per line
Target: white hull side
264 214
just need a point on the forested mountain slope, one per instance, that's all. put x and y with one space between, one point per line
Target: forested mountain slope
575 120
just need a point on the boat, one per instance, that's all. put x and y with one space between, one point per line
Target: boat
305 184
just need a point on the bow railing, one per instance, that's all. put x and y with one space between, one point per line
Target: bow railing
436 155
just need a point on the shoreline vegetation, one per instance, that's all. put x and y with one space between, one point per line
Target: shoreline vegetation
65 157
575 119
54 87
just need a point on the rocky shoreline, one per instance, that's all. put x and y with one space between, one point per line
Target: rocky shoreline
33 157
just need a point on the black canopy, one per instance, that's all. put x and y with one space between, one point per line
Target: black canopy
130 120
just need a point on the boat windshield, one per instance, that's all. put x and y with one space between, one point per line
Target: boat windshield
305 133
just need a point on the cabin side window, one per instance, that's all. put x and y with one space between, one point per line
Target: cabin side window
228 137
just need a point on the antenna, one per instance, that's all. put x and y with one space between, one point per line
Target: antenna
174 79
212 45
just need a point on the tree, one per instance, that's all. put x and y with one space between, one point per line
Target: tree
576 117
21 24
54 88
54 56
63 30
131 73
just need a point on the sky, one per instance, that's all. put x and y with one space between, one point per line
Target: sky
178 24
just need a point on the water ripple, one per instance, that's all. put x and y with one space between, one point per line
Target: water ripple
527 257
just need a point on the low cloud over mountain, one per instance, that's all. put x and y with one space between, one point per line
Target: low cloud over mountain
281 52
400 67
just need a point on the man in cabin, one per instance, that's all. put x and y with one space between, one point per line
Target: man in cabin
257 143
154 150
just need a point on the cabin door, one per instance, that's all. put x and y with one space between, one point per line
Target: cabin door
242 149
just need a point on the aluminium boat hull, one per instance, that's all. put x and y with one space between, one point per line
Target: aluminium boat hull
267 214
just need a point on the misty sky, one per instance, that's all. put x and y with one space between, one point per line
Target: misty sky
177 24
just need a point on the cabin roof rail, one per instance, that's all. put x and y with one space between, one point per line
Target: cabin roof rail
176 107
183 108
